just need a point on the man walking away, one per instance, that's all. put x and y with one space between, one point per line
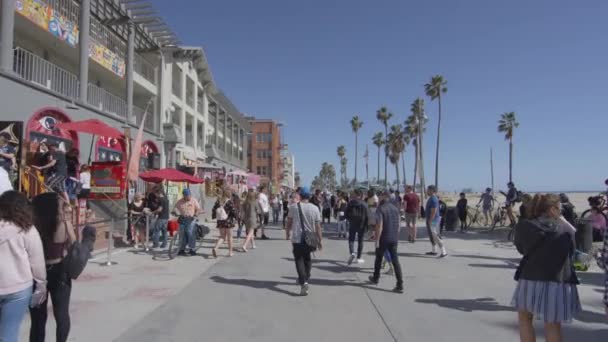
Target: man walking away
356 214
387 239
265 206
433 219
162 212
512 198
487 202
309 214
412 207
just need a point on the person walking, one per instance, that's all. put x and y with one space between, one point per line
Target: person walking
285 203
568 209
326 205
250 219
487 204
238 208
433 221
305 216
372 204
276 208
51 218
356 214
546 279
159 232
411 202
226 217
342 204
188 209
85 182
137 220
512 198
387 238
23 272
265 206
462 206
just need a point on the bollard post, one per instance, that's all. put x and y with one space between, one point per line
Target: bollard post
147 243
109 261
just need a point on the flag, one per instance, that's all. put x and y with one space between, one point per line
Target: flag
133 167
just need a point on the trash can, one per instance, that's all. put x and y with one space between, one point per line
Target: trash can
584 235
451 219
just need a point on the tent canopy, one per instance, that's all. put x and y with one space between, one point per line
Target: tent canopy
172 175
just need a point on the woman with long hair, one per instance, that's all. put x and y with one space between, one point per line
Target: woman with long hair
226 218
546 279
250 218
22 264
51 219
138 220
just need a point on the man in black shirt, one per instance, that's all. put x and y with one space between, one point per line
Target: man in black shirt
356 214
55 170
162 212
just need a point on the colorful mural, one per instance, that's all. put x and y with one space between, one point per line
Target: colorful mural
49 19
107 58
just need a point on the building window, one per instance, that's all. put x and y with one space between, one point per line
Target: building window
263 137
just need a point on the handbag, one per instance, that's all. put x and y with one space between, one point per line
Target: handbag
309 238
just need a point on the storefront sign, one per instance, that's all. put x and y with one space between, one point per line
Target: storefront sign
108 180
49 19
107 58
41 128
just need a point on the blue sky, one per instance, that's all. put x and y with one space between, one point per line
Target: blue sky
314 64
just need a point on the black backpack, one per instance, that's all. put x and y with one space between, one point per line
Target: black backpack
79 253
356 212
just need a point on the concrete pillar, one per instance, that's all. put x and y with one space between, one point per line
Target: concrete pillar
83 41
216 128
130 64
225 133
195 134
7 29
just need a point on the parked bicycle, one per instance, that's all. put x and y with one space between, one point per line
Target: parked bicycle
200 231
499 219
473 216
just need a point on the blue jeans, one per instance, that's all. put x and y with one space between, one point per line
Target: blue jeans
160 231
12 310
186 231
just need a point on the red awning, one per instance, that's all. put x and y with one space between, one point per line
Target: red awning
92 126
172 175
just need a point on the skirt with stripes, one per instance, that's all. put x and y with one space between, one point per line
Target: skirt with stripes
549 301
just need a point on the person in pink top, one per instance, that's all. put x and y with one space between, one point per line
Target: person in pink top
23 264
411 202
598 223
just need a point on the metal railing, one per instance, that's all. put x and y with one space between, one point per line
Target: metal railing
144 68
139 113
35 69
106 101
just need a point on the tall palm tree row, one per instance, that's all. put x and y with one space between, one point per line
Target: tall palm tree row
434 89
395 146
384 116
378 140
419 121
507 125
406 141
341 151
356 124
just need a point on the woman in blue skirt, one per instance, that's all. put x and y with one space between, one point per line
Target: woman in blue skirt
546 279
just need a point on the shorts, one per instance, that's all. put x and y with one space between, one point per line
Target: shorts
410 218
56 182
435 227
487 210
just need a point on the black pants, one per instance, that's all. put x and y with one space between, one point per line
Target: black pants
301 255
60 288
352 232
391 247
326 215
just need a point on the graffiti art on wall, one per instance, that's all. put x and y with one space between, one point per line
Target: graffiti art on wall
10 145
107 58
49 19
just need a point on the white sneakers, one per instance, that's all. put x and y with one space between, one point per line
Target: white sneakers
353 258
360 261
304 290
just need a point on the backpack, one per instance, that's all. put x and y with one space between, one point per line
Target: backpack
356 212
214 210
519 197
79 253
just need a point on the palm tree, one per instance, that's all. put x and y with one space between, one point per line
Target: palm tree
395 146
434 89
341 150
378 140
411 127
356 124
507 125
419 121
406 141
383 115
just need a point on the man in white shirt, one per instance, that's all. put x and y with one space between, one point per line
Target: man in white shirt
5 182
265 206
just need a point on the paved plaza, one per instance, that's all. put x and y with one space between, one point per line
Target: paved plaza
254 296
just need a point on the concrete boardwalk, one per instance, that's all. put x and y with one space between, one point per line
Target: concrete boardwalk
253 297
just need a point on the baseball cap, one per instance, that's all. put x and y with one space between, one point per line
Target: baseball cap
186 192
304 192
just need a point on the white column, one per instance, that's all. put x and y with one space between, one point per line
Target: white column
7 28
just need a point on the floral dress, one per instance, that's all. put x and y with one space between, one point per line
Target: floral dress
232 216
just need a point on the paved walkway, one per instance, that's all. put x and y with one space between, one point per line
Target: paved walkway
254 297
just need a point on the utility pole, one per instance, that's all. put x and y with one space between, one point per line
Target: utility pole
492 169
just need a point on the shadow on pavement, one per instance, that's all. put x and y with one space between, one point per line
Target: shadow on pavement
505 266
592 278
256 284
570 332
468 305
485 257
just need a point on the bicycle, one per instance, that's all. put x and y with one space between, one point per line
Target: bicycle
199 234
473 216
499 217
597 202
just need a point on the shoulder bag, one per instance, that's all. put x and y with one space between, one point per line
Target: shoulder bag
309 238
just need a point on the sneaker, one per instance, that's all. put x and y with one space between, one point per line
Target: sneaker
360 261
181 253
443 255
431 253
373 280
304 290
264 237
192 253
350 259
398 289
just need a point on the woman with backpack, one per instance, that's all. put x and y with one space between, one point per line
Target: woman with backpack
22 264
546 279
226 217
52 220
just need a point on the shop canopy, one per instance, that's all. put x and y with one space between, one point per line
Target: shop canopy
171 175
91 126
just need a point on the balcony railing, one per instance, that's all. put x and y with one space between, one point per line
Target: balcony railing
139 113
199 107
144 68
37 70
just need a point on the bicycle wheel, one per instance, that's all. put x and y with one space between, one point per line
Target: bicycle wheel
174 245
495 221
